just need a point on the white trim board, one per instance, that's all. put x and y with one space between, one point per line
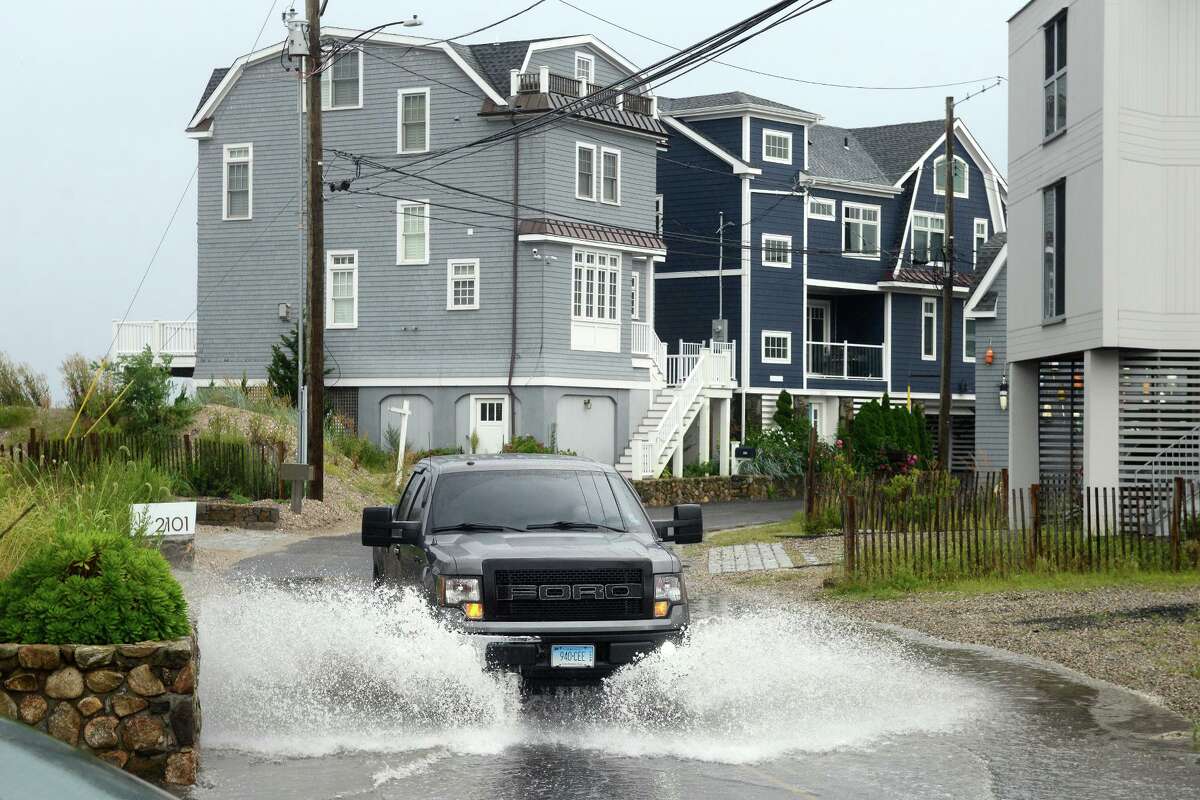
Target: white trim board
576 41
620 248
739 167
582 383
985 283
698 273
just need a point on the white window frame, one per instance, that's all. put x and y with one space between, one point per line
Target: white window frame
451 263
607 255
1052 276
939 259
830 217
329 270
848 206
969 359
400 206
608 151
786 336
635 290
826 323
327 86
658 214
591 60
966 173
1050 82
979 239
225 162
929 311
400 95
787 243
595 171
787 135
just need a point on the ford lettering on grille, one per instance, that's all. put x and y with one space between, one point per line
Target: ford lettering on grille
566 591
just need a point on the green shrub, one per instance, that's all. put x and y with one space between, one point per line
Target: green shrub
20 385
530 444
823 521
702 470
145 390
361 451
889 439
15 417
92 588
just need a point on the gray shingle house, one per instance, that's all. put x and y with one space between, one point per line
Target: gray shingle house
425 252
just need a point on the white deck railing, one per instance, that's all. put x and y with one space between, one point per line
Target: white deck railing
845 360
174 338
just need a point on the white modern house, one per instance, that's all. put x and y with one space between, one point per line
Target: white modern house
1103 254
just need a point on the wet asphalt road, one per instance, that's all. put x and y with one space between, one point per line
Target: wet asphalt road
1045 734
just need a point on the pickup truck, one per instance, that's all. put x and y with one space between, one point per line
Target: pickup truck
551 561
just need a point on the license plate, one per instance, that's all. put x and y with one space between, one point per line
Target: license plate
572 655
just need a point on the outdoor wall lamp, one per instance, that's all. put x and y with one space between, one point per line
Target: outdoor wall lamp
284 311
1004 392
587 403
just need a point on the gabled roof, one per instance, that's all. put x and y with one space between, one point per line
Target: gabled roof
679 126
708 102
836 153
213 81
896 148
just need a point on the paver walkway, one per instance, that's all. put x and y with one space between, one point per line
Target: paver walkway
748 558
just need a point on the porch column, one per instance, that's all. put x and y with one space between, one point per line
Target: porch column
1101 373
1022 423
677 460
705 422
723 414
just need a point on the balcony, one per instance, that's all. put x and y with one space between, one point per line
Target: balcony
845 361
176 339
543 81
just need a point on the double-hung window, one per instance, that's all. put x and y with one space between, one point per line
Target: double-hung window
341 82
610 176
928 329
821 208
462 284
412 232
635 292
1054 218
238 168
968 339
413 121
961 184
658 214
585 171
860 230
1054 87
980 239
341 281
777 146
585 69
595 278
776 250
776 347
928 238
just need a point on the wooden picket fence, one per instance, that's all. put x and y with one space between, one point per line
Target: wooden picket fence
208 465
983 528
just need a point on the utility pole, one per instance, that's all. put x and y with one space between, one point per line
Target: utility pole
316 260
947 297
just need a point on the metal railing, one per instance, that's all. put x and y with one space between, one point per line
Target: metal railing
1155 479
845 360
173 338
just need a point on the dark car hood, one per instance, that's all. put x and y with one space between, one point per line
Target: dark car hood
464 553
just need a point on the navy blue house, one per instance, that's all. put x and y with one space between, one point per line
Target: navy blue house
830 278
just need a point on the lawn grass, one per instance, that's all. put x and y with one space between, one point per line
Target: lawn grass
761 534
764 578
904 586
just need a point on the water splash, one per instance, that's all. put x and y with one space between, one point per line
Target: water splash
319 670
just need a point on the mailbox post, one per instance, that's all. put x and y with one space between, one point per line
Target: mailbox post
298 475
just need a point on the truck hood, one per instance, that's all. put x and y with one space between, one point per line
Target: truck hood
468 551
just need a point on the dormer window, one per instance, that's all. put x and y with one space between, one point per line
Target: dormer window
777 146
585 68
960 176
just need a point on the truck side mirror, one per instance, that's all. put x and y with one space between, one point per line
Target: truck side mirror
686 527
380 530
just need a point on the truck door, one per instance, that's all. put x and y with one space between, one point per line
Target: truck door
410 558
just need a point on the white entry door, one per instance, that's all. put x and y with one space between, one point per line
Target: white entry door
490 423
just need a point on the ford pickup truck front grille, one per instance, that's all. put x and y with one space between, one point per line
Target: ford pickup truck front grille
578 593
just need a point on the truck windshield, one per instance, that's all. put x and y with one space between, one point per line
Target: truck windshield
543 498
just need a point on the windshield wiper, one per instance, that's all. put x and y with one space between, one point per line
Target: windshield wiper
477 526
566 525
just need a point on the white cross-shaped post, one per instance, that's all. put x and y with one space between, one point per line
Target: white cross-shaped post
404 413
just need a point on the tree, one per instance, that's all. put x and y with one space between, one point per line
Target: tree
145 389
281 372
785 411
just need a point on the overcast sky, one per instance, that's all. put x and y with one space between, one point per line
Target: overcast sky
96 158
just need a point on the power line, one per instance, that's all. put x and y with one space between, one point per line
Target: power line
791 78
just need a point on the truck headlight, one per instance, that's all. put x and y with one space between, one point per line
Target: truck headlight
464 593
668 591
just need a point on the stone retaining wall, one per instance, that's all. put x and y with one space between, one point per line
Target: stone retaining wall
133 705
674 491
239 516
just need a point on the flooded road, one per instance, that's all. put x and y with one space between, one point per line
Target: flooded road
325 690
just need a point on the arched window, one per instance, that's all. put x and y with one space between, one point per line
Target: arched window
960 176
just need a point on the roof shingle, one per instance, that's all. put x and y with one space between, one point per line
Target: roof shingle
895 148
679 105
